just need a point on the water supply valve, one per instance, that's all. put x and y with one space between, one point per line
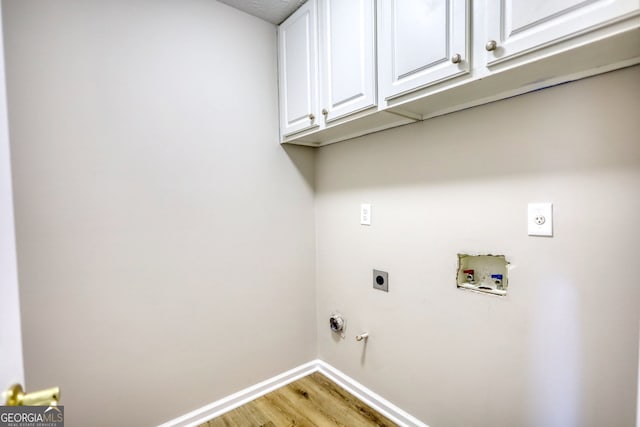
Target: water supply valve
471 278
497 280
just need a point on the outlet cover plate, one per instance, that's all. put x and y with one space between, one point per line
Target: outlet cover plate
540 219
381 280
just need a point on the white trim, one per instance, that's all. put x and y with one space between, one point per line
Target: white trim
638 393
226 404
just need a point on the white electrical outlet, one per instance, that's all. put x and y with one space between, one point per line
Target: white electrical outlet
365 214
540 219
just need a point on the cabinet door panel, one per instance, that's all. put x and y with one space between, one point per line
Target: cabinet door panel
418 24
417 41
521 26
297 52
348 56
525 14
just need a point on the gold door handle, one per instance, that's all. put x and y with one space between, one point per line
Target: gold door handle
17 397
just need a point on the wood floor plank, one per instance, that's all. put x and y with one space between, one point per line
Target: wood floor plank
333 409
312 401
289 412
307 402
353 404
354 410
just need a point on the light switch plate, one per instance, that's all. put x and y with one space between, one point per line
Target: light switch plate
365 214
540 219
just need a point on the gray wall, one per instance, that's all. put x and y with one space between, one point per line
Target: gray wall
165 240
562 348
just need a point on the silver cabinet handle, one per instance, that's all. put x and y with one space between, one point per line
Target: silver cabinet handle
324 111
491 45
456 59
312 117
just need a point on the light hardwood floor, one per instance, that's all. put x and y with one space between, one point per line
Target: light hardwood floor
311 401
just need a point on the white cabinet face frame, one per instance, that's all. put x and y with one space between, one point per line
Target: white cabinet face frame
522 26
297 63
421 43
347 57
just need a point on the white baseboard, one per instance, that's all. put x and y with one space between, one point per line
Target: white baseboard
219 407
226 404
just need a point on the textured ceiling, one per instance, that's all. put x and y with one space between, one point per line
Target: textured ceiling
274 11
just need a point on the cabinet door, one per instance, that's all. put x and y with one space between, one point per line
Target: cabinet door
347 46
297 59
521 26
421 42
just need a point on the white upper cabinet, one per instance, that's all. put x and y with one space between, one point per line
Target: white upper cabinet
297 62
352 67
521 26
347 57
420 43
